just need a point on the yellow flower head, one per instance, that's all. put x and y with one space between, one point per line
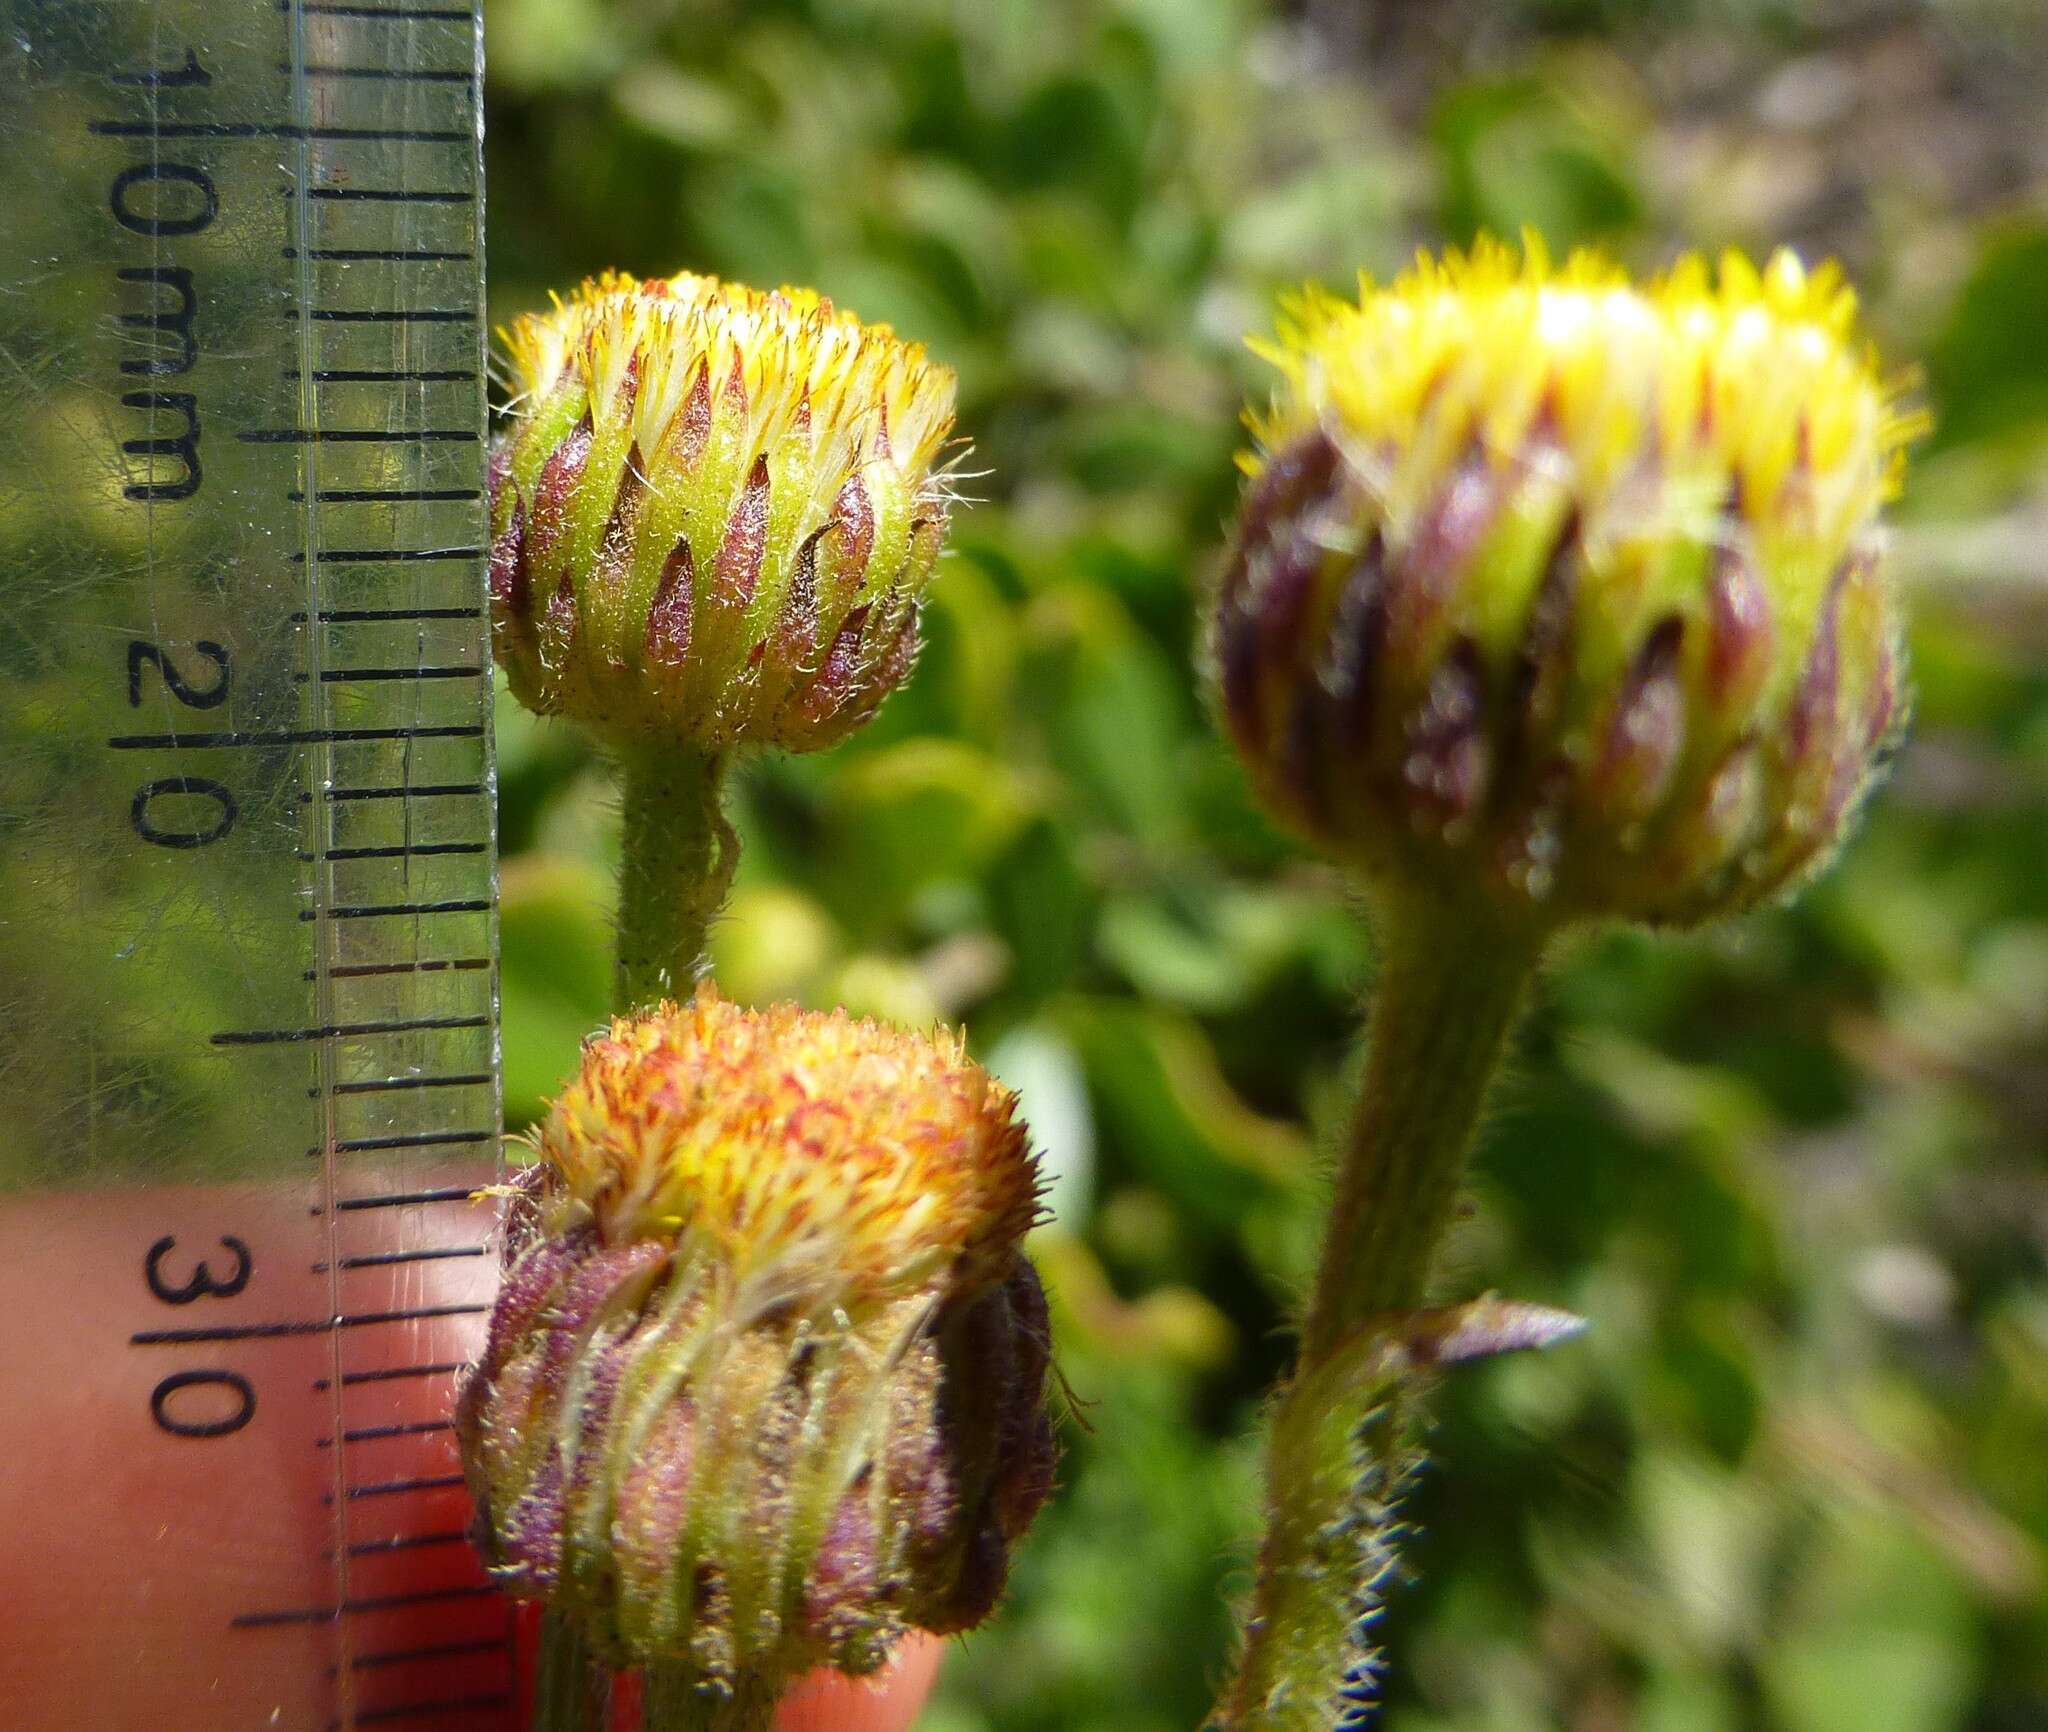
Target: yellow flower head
810 1151
1744 393
715 510
1567 585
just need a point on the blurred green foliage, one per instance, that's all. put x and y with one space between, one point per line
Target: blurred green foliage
1794 1477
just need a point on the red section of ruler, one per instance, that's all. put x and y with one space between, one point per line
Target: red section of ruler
181 1550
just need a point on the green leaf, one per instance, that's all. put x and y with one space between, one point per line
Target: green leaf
1052 1098
554 975
1169 1111
913 815
1112 709
1988 370
1877 1640
1519 153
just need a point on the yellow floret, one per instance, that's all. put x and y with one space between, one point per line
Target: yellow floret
1704 395
808 1153
862 392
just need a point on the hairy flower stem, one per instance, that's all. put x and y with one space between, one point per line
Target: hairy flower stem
1450 989
676 865
572 1693
1451 985
676 1701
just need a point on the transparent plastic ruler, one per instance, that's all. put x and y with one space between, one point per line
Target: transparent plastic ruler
247 977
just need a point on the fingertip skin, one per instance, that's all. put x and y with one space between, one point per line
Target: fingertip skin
825 1701
156 1576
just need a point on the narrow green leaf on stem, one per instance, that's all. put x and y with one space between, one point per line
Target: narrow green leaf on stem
1335 1468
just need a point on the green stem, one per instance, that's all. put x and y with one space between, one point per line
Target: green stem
571 1691
1451 986
1450 990
677 856
676 864
675 1699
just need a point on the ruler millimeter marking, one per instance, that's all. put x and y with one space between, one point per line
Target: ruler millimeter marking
247 903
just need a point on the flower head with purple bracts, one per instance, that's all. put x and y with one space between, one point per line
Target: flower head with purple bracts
1567 588
714 512
766 1383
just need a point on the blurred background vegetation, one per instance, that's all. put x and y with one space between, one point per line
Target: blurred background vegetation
1796 1477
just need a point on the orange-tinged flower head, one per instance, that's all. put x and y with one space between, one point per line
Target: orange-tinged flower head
794 1147
765 1385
